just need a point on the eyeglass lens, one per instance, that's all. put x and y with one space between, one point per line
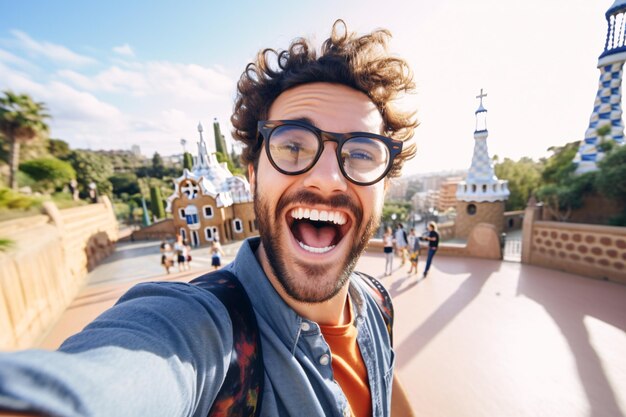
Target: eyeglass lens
294 148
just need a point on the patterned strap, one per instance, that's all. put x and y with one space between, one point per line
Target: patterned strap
382 298
242 391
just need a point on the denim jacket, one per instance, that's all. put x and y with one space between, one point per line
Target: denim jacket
164 349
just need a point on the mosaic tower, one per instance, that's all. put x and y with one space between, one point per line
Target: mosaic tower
606 122
481 197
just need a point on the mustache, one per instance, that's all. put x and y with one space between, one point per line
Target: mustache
306 197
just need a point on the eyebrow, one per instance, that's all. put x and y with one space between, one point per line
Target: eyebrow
305 120
308 121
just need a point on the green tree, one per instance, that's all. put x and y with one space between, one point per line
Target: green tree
560 165
400 208
524 177
562 190
124 183
14 200
560 199
156 203
231 167
220 141
603 132
610 180
236 160
91 167
158 167
21 120
59 148
187 161
50 173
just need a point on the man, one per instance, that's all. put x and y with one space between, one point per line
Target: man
401 243
432 237
164 348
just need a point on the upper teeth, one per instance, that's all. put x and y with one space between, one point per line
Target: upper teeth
319 215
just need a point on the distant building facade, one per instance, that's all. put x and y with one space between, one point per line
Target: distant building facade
397 189
136 150
447 194
210 203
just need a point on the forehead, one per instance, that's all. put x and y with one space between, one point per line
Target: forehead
331 107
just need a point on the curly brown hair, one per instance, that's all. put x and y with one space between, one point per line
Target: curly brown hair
359 62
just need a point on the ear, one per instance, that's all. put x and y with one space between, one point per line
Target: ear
252 177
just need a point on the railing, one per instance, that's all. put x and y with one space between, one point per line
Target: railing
512 249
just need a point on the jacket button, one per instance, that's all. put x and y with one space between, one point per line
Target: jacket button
305 327
324 359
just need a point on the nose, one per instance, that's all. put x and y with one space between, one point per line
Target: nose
326 175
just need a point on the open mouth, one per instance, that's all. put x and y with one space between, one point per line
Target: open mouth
318 231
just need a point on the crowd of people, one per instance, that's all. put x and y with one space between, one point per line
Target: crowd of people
407 247
179 253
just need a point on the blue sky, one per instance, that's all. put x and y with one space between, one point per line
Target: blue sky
118 73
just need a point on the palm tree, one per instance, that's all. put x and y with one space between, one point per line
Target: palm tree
21 120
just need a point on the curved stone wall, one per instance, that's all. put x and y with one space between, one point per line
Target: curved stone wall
594 251
47 265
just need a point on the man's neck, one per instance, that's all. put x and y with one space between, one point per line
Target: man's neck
332 312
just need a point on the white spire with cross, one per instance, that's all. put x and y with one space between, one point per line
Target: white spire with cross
481 96
481 183
481 116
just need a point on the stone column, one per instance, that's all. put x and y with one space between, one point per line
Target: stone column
531 215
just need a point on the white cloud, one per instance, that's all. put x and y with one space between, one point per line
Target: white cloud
151 104
125 50
9 58
78 79
18 81
115 79
68 104
171 81
56 53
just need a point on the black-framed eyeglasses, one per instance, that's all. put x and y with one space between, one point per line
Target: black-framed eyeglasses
294 146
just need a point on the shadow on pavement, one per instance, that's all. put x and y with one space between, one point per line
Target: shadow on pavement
568 310
454 305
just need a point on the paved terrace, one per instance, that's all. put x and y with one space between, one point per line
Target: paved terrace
475 339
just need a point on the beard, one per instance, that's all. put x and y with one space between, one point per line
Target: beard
314 284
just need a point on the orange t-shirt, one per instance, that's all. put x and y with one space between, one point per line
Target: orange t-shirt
348 366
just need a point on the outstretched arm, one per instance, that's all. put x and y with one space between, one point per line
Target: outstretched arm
163 345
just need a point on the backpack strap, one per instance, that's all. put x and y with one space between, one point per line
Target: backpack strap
382 298
242 390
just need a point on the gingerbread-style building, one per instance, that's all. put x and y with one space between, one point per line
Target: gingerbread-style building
209 202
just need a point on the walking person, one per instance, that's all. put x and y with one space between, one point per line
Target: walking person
166 256
187 254
216 255
388 250
433 243
414 251
180 249
401 243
